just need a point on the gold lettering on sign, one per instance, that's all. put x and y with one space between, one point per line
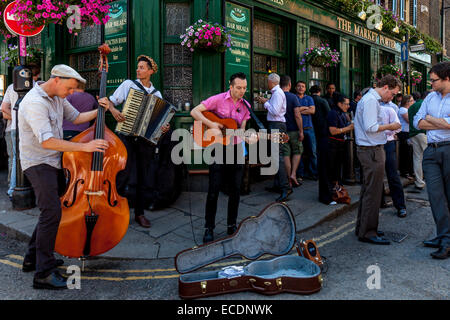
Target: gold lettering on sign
364 33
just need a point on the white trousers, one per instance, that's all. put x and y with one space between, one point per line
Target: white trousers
419 144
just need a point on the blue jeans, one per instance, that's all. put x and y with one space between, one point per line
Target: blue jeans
309 148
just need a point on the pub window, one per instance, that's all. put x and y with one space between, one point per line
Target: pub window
384 3
177 59
83 55
413 12
386 58
402 9
269 42
394 6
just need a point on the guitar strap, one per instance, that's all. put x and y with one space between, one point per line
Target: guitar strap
253 115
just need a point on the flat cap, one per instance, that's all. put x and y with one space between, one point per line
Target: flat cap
66 72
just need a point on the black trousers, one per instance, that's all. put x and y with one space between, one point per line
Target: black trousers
281 178
229 175
395 184
405 154
335 160
138 172
48 183
325 195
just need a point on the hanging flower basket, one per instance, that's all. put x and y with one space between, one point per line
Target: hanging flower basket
3 30
11 56
45 12
204 35
392 69
416 77
322 56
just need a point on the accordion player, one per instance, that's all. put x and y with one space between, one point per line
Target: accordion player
145 115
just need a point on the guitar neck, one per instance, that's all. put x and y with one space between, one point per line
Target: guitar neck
241 133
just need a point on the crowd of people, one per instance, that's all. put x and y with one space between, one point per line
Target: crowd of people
420 122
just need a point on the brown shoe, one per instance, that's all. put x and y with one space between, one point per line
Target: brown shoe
142 221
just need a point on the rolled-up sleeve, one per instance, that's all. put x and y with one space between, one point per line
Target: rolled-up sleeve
275 104
211 102
370 116
121 93
421 114
70 113
40 122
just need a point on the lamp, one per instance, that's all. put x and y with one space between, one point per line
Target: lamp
379 26
396 29
362 15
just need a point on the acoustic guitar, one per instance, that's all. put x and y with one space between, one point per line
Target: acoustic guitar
204 137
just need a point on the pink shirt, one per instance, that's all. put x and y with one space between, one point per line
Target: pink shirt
223 106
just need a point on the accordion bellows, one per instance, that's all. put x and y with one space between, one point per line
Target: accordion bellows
145 115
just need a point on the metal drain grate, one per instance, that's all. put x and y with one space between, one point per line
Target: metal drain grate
395 236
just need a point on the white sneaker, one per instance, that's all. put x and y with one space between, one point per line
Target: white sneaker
332 203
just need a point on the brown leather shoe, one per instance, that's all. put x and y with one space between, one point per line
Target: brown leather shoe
142 221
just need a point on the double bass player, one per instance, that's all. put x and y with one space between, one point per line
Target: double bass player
41 115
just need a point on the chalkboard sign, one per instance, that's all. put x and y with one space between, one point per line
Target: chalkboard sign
237 58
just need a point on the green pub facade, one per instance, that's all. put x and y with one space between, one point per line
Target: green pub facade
267 36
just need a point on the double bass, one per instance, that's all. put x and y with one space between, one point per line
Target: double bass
94 216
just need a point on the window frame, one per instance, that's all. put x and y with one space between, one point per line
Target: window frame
171 40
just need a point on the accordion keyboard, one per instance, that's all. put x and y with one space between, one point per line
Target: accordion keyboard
131 109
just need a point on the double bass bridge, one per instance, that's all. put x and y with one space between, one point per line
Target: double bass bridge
94 193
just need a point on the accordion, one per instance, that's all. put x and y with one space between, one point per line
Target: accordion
145 114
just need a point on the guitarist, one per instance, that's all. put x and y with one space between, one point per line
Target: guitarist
230 104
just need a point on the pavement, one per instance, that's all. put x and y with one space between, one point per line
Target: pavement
181 226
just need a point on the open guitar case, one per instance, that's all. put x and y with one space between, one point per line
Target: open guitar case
271 232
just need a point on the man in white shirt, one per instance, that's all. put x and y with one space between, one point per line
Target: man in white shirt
370 140
276 109
8 103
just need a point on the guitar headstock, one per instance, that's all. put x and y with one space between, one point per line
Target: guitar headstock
279 137
104 50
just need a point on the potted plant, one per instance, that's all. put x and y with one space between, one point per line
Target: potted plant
11 55
322 56
205 35
416 77
390 68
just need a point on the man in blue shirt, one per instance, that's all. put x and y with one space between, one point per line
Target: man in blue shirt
309 143
370 140
434 116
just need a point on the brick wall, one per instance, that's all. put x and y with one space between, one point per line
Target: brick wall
423 15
